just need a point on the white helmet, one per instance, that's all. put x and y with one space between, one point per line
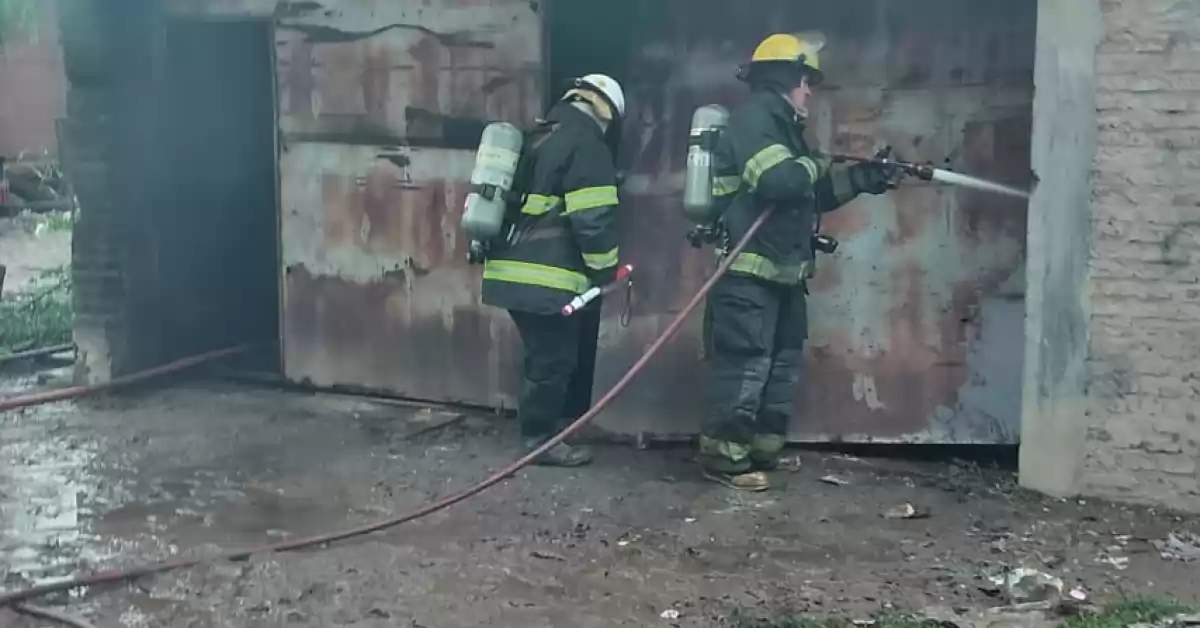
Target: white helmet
607 88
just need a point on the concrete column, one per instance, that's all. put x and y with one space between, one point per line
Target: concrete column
1055 407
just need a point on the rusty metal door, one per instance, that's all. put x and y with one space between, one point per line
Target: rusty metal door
377 292
916 324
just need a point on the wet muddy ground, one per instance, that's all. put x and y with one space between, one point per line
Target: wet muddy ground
202 466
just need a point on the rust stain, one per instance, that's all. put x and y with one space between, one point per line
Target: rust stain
321 34
426 77
365 336
379 294
284 10
377 84
299 81
340 229
915 209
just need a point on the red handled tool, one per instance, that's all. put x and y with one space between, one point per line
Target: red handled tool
581 301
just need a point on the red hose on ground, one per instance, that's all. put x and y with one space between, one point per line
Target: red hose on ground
112 576
50 614
24 401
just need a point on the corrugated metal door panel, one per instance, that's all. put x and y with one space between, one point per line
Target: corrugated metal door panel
916 321
377 292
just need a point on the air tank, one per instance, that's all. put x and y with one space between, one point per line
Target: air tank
492 180
707 123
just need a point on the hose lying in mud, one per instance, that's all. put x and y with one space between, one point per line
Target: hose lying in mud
114 576
24 401
34 353
50 614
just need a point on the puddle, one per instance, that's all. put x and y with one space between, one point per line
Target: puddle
47 490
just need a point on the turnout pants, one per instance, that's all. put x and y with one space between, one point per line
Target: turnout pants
754 338
556 379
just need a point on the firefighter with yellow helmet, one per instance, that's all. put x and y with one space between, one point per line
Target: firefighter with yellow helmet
756 321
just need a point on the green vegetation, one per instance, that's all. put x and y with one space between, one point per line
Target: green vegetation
741 619
1134 610
59 221
38 317
18 18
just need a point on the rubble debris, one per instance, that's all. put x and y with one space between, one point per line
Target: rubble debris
834 480
791 463
1112 554
1179 546
1178 621
429 420
905 511
1023 585
1008 617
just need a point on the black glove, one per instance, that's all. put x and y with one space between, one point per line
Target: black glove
603 277
869 178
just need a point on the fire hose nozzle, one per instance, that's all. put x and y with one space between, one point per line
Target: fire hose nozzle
581 301
883 159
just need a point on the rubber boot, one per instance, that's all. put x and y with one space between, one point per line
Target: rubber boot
560 455
729 464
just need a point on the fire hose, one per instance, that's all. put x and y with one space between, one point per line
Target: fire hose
24 401
114 576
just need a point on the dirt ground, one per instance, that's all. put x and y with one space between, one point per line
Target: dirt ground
207 465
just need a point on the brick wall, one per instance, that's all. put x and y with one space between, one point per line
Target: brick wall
1144 440
106 56
32 87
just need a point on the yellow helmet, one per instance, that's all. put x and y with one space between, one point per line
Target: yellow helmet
802 50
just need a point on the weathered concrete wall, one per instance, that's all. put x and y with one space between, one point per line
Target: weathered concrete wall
1145 263
1113 348
1054 406
32 87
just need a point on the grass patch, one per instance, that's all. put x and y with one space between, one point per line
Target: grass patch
39 317
742 619
56 222
1134 610
1121 614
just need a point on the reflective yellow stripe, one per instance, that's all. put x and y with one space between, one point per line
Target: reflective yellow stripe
535 275
759 266
764 160
591 198
724 186
843 188
600 261
538 204
814 172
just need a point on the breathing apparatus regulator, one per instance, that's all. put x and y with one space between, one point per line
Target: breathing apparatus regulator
502 164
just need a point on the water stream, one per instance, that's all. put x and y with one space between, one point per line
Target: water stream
955 178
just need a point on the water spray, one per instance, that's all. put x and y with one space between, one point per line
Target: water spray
897 169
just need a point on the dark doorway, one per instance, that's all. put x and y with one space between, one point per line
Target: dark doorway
586 37
217 213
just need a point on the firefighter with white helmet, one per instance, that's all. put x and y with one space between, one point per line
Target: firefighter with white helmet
756 324
563 241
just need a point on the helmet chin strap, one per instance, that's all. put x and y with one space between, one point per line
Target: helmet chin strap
801 113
